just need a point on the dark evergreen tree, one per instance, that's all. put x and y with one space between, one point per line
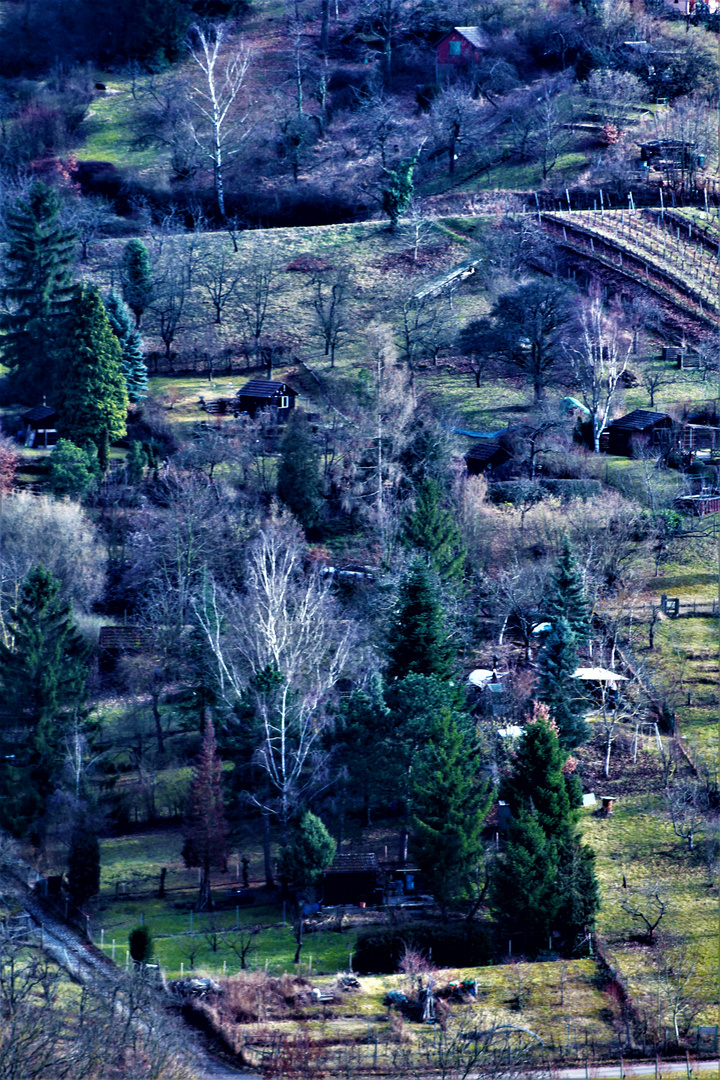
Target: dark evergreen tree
358 747
205 829
537 782
417 639
43 673
83 862
137 278
450 802
557 688
398 191
523 895
136 462
567 598
37 291
141 944
90 392
545 881
133 361
299 481
432 529
310 850
414 704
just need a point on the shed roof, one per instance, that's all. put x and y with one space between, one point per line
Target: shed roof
639 420
354 864
38 413
264 388
483 451
473 34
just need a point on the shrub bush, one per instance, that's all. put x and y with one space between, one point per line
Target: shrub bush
382 951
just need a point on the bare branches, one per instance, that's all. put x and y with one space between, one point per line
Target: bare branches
647 905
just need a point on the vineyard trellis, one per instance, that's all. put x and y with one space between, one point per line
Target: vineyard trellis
638 242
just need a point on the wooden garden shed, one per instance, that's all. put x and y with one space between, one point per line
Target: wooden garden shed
486 455
259 394
39 426
630 435
460 49
352 879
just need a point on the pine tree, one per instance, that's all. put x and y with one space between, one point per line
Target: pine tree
37 291
42 681
137 278
556 687
567 597
90 394
133 361
299 481
417 640
83 863
432 528
205 829
451 804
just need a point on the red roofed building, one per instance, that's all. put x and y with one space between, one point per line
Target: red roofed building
460 49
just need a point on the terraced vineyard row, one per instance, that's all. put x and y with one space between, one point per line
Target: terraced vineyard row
642 246
702 225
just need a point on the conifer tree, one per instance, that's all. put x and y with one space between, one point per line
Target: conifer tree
83 862
299 481
398 191
133 361
43 673
567 598
433 529
205 829
137 278
90 393
310 850
359 750
545 880
417 640
556 687
524 896
37 291
451 803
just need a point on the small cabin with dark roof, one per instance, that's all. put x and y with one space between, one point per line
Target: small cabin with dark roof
259 394
352 879
486 455
461 48
640 430
39 426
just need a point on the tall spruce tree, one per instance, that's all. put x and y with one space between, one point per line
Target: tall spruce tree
451 802
544 882
557 688
417 639
358 747
37 291
299 482
90 393
567 597
43 674
137 279
432 529
206 829
133 361
83 862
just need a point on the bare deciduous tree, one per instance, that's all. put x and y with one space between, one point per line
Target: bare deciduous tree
283 640
598 361
223 125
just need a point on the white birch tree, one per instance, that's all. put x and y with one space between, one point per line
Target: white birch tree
221 125
598 363
282 641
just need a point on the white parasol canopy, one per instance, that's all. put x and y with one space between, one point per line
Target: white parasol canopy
598 674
